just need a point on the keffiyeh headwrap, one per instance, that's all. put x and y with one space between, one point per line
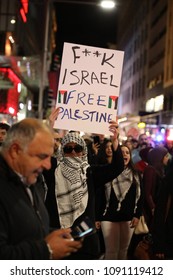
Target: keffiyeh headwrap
70 182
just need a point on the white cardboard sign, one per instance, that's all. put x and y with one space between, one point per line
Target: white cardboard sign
88 88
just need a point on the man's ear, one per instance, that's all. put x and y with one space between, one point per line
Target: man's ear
15 150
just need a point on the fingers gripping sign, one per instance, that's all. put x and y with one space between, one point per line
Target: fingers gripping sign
113 127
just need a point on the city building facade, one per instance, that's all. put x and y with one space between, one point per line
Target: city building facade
27 32
145 33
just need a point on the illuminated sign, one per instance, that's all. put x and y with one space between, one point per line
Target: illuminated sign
155 104
24 9
9 96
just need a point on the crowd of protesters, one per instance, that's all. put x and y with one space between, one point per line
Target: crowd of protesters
54 182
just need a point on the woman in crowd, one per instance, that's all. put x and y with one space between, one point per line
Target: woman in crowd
153 175
104 156
73 186
123 207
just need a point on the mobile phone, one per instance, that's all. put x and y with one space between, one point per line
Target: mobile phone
96 140
83 229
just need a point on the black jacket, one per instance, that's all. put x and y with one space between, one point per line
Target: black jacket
22 226
163 219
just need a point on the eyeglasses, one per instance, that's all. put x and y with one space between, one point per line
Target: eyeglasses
69 149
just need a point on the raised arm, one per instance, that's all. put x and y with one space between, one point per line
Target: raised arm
113 127
53 116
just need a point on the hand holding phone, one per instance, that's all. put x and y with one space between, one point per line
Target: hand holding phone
96 140
83 229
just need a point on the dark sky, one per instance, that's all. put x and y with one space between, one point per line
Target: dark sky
86 25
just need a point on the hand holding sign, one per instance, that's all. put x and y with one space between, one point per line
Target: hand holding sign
113 128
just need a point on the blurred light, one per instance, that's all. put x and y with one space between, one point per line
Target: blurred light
147 132
11 110
8 48
122 119
141 125
28 69
23 16
13 21
152 136
29 105
19 86
107 4
21 106
21 116
11 75
159 100
170 136
149 107
11 39
159 137
162 130
25 5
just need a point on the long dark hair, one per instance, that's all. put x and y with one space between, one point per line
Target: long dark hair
131 164
102 157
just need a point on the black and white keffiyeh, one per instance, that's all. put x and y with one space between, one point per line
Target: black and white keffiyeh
71 182
121 186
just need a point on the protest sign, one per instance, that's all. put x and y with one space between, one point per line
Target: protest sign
88 88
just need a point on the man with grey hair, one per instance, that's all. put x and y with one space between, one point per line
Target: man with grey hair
24 221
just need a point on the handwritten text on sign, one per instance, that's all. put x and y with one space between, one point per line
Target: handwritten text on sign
88 88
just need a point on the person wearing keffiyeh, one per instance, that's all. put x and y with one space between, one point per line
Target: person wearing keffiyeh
71 181
75 183
123 207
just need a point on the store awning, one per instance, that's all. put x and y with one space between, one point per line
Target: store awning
28 69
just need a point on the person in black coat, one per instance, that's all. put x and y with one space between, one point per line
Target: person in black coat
162 231
24 221
123 202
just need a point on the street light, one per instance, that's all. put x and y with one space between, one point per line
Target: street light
107 4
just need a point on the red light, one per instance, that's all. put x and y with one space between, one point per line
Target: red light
11 95
10 74
22 12
25 5
170 135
